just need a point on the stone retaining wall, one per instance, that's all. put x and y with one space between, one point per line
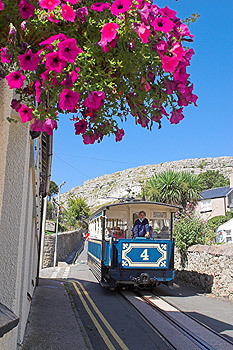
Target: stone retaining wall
66 243
207 267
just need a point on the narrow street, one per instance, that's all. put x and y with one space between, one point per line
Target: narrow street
110 321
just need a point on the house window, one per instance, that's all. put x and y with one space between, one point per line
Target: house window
206 205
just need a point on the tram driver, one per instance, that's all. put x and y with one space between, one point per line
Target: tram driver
141 226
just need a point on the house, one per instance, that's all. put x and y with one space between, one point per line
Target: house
25 166
224 233
216 201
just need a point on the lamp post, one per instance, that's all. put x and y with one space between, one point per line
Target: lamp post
55 250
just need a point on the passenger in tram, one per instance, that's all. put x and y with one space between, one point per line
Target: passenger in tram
141 226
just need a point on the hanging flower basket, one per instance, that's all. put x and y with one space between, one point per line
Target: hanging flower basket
103 62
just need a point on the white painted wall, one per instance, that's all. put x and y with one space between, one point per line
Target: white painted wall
18 233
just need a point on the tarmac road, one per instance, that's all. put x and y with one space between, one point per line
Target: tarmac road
110 322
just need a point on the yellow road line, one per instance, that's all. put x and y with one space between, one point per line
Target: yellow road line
94 320
103 319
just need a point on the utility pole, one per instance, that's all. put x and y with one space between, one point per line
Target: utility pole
58 209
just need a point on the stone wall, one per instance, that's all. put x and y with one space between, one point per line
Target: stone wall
207 267
66 243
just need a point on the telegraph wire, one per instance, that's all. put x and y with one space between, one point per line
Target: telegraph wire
73 167
104 160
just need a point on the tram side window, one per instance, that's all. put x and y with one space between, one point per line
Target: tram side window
116 228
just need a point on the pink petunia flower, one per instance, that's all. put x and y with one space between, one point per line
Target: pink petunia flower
5 55
81 13
145 84
80 127
161 47
109 32
162 24
50 40
167 12
144 32
120 6
183 29
26 9
68 13
49 4
51 18
95 100
68 99
176 116
100 6
72 2
119 134
49 125
38 90
69 50
25 113
54 62
169 63
177 50
1 5
29 61
15 80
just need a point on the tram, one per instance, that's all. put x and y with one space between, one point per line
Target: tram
116 258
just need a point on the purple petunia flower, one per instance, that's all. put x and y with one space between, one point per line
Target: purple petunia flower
29 61
26 9
81 13
54 62
5 55
68 99
80 127
120 6
15 80
15 104
176 116
69 50
25 113
95 100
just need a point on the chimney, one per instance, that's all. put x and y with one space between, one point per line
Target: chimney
231 179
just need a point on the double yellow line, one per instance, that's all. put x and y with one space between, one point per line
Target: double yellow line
78 287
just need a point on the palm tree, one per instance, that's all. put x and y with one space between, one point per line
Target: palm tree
173 188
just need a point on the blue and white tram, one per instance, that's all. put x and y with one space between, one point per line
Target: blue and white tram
116 258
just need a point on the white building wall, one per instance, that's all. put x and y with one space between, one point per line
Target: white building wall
18 234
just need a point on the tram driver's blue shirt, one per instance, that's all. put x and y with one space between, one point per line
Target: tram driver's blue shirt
140 228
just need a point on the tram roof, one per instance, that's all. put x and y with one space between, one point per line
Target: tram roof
134 202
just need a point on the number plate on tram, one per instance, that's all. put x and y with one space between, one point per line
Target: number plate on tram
138 254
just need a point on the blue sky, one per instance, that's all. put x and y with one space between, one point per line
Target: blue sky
206 130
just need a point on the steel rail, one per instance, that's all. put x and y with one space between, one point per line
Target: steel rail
194 319
200 343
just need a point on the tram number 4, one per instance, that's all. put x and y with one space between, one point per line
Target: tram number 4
145 255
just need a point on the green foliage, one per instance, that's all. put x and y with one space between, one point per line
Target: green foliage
190 229
49 214
216 221
212 179
53 189
77 211
173 188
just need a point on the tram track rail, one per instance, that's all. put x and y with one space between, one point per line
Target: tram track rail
177 328
194 319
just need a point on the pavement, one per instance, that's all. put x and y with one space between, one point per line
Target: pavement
53 322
